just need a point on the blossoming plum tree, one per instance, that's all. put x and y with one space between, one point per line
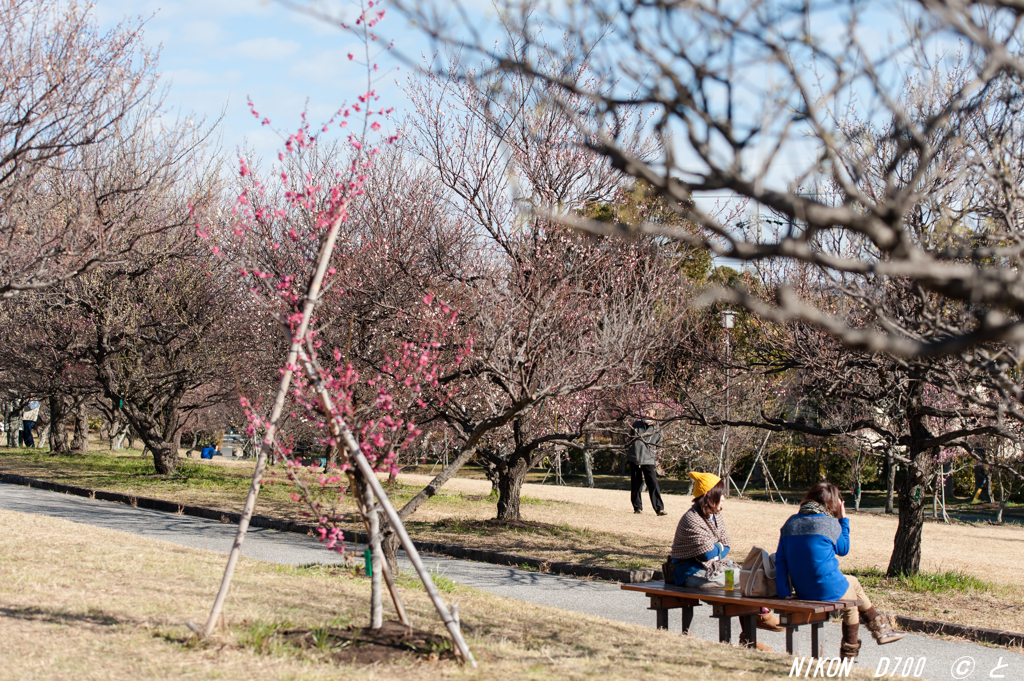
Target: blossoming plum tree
361 414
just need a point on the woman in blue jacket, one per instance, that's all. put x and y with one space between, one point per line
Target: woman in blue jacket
806 559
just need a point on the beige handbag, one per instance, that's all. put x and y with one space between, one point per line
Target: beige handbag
757 576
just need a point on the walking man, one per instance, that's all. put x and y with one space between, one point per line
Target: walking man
28 421
640 454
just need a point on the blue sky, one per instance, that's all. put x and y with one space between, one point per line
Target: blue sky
217 53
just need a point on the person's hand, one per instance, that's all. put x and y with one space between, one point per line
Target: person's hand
790 597
842 509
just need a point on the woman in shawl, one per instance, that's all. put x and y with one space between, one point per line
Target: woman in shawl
701 542
808 546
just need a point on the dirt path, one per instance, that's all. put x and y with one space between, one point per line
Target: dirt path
945 547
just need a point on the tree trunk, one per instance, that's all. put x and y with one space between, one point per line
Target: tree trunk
948 486
945 518
510 489
376 561
906 552
588 458
390 542
58 427
165 456
856 471
1004 497
13 426
890 480
44 436
160 437
988 481
117 432
389 545
493 474
195 441
80 443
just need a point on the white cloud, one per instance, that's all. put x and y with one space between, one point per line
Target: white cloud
330 67
188 79
201 32
265 49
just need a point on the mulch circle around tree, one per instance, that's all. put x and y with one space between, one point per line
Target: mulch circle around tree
364 646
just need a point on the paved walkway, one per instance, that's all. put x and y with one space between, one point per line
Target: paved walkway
943 658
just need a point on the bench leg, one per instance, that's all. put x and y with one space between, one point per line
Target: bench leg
815 640
662 614
748 631
725 629
687 618
790 648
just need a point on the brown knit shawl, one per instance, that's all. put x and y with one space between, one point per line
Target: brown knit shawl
696 535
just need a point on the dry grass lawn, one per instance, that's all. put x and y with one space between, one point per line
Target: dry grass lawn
597 526
596 513
87 603
750 523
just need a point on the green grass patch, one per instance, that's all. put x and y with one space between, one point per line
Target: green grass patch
444 584
127 467
923 582
261 637
636 564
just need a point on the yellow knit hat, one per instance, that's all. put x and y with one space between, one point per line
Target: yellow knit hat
702 482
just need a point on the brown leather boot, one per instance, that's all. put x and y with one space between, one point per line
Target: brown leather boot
769 622
851 641
880 628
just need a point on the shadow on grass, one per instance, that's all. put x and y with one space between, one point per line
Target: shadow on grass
52 616
540 539
346 643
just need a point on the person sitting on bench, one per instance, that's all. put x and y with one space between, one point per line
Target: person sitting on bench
808 545
209 451
701 542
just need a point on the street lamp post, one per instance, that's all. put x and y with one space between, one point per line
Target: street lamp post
728 319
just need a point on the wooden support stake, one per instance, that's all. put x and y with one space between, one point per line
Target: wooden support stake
384 564
295 344
394 594
341 431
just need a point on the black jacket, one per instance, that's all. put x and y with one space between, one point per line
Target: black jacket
643 444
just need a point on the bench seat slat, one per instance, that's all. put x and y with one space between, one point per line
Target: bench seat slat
733 597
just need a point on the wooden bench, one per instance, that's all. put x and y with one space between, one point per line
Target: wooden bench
728 604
